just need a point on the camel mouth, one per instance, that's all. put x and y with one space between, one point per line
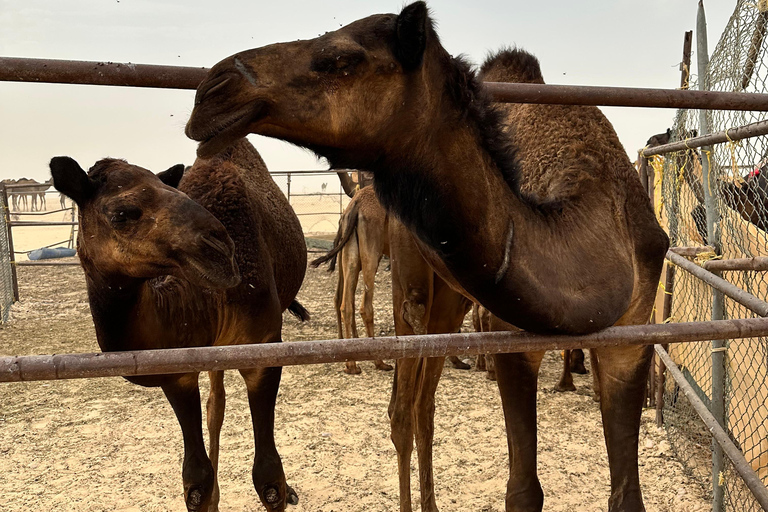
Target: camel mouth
213 265
215 277
229 129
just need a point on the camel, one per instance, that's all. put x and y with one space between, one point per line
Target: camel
169 262
360 243
533 211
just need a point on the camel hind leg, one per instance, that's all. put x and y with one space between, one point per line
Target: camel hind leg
350 260
370 250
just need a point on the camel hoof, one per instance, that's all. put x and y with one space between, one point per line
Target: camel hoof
194 499
579 369
490 376
292 498
459 364
384 367
271 495
352 370
562 388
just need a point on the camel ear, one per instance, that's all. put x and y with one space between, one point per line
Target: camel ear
70 179
172 176
412 35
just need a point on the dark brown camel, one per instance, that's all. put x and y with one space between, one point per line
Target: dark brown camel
362 240
546 225
215 262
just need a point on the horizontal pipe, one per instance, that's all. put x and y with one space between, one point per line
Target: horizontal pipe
692 252
177 77
21 223
740 464
182 360
738 133
44 212
100 73
758 263
45 263
625 97
744 298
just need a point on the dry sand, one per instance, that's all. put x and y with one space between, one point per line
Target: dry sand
107 445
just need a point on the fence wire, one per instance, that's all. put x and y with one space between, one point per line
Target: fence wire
739 183
6 272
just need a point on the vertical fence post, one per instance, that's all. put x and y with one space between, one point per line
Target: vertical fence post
669 281
11 253
713 239
288 186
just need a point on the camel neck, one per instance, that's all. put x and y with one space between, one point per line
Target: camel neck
508 254
131 314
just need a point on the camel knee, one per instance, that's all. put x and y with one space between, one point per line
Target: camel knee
414 314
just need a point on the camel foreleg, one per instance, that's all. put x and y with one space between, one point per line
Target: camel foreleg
183 394
268 474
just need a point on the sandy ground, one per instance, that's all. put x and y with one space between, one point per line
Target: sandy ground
107 445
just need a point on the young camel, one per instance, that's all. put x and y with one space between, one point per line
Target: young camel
215 262
360 243
577 251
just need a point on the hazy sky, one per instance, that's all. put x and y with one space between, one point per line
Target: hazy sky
600 42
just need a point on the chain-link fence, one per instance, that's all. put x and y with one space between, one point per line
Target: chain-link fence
6 268
738 219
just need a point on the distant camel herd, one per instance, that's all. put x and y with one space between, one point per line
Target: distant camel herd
29 195
532 216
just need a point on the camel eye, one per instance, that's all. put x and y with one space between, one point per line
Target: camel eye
337 63
122 216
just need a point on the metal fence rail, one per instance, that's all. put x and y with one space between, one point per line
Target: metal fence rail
180 360
177 77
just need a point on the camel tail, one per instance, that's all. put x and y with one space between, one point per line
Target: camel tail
340 241
298 311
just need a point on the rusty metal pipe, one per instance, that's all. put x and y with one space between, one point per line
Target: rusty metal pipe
178 77
181 360
758 263
738 133
740 464
692 252
625 97
744 298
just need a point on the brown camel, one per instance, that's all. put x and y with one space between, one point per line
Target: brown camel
360 243
362 240
534 211
215 262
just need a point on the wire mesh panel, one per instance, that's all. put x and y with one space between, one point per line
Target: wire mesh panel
6 272
738 182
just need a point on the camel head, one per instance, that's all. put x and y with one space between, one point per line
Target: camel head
136 225
335 94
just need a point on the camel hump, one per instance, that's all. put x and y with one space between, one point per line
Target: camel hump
512 65
298 310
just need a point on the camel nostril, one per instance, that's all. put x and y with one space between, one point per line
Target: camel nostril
211 86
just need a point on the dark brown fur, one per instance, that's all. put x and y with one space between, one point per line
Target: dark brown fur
534 211
215 268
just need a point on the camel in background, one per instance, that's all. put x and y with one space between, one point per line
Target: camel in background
361 241
533 211
168 268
